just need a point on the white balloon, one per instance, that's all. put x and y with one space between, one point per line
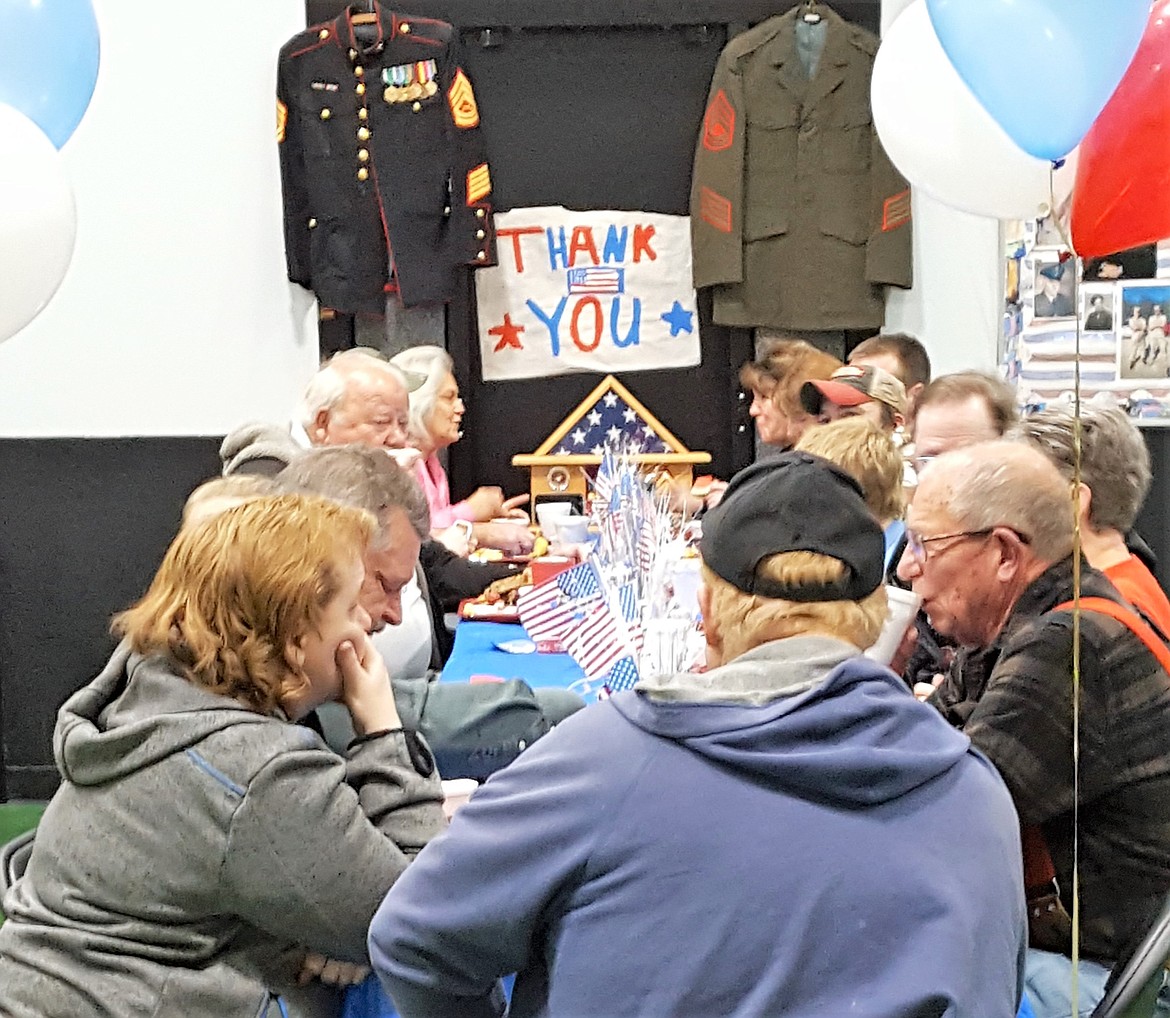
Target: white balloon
940 137
38 221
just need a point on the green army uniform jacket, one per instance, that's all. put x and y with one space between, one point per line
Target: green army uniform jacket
798 218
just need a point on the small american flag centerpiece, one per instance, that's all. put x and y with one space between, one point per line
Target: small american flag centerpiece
601 611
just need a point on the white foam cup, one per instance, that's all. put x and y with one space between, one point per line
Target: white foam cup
573 529
547 514
456 792
686 579
903 607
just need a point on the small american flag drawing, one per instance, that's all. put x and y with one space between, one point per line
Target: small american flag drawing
596 280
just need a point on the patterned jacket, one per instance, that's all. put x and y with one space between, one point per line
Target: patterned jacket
383 171
798 218
1018 698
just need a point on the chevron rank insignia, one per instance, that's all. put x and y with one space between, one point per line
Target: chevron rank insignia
719 124
281 120
896 211
479 184
462 99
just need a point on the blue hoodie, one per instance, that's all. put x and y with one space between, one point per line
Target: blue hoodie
792 833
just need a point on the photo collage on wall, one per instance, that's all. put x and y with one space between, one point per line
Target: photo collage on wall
1124 345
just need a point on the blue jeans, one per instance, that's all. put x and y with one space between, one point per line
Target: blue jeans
1048 983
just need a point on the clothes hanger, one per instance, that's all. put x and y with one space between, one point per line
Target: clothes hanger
365 13
811 15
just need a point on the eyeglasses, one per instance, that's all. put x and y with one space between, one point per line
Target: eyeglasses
916 544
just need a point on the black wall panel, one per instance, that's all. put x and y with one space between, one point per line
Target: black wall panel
1154 521
83 526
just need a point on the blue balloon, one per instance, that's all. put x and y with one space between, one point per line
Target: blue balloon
1043 69
48 61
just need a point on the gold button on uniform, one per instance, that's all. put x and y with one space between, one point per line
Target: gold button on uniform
479 213
326 113
360 89
415 107
404 29
363 156
323 34
363 173
353 54
482 256
312 223
363 113
479 234
363 133
447 211
359 70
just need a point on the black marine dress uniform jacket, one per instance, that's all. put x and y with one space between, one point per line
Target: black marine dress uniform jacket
385 180
798 218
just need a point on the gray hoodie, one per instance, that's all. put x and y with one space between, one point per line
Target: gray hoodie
196 848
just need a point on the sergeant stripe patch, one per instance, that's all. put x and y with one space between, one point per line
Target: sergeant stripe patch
896 211
719 124
715 209
462 99
281 120
479 184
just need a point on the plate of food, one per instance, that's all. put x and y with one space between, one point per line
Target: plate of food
495 555
498 602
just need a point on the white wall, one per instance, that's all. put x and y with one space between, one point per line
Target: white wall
956 304
175 317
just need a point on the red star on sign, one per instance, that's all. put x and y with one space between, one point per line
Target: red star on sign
509 334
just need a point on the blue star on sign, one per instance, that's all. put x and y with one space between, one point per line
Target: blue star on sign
679 319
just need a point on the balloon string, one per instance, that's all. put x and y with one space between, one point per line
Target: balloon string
1076 598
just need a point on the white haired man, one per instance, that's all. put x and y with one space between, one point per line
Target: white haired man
989 550
357 396
787 832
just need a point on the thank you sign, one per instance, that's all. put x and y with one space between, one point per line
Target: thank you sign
587 291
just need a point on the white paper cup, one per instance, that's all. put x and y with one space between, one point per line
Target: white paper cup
903 607
547 514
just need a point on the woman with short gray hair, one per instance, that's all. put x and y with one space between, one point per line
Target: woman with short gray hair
1114 479
436 414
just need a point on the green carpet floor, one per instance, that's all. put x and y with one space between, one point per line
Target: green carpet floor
16 818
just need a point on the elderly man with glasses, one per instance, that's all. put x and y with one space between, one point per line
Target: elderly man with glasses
989 550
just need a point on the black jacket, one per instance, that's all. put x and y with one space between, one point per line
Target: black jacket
383 171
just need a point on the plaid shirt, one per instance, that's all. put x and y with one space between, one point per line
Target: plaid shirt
1016 698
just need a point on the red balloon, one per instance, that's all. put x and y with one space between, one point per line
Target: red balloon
1122 194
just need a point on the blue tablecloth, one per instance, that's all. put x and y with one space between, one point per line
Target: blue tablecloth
475 653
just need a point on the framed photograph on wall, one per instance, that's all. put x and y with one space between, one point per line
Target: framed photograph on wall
1144 350
1054 284
1097 300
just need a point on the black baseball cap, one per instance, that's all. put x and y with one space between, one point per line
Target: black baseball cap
794 502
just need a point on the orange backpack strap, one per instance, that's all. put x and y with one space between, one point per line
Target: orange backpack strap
1130 618
1049 926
